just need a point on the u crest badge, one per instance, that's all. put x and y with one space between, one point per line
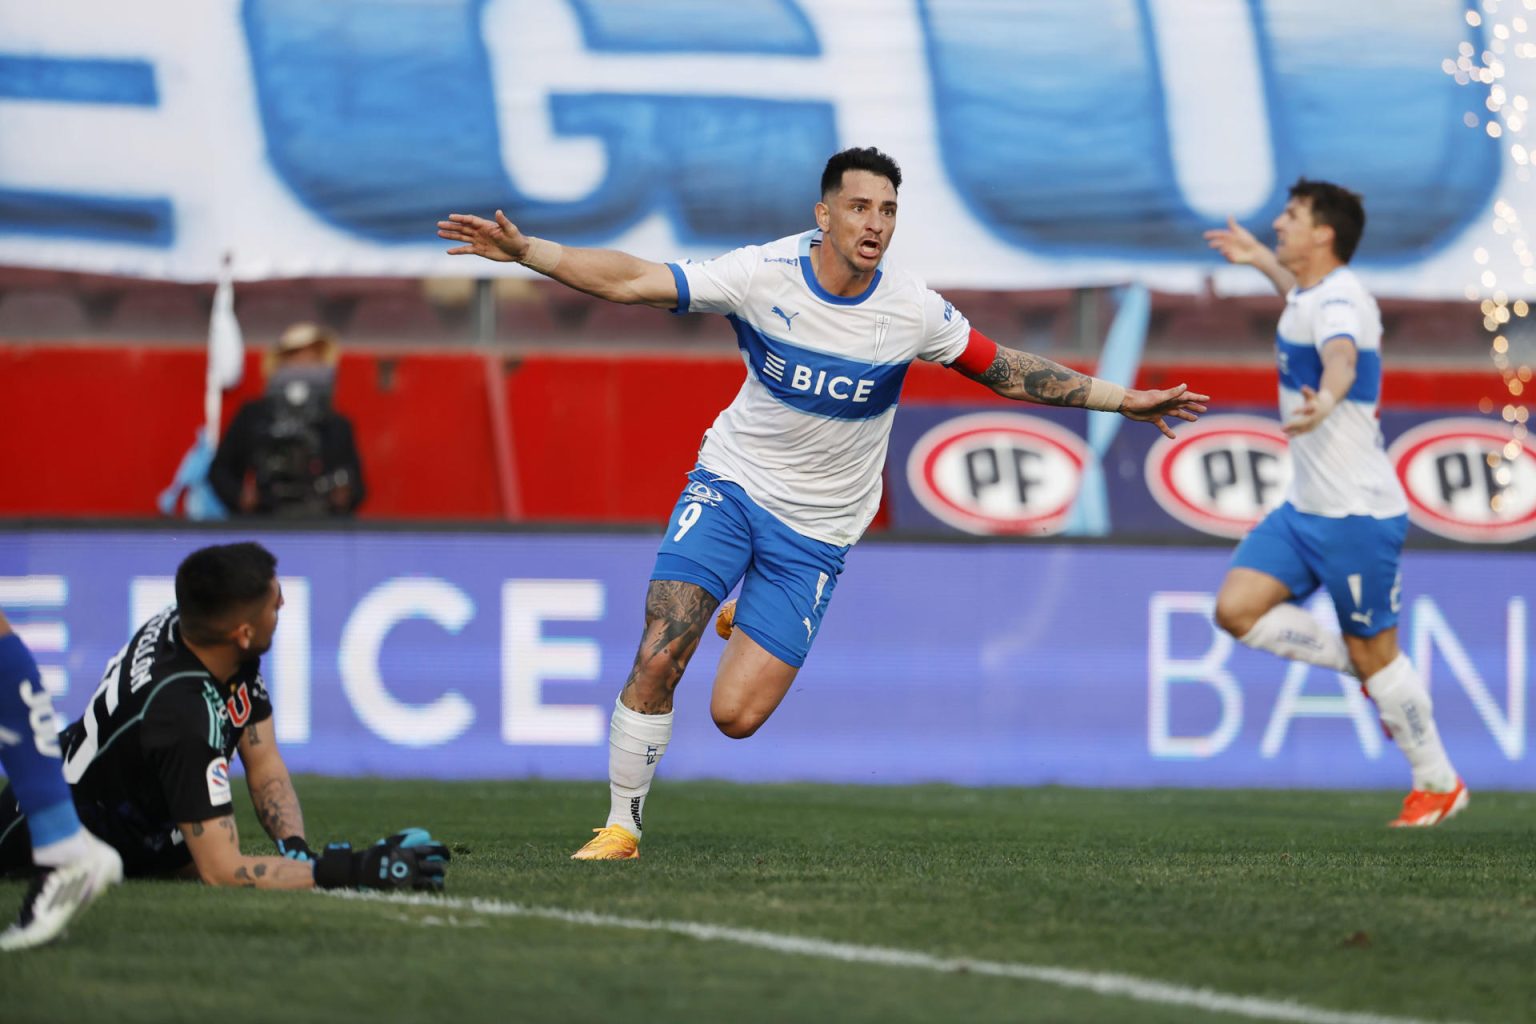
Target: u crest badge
882 327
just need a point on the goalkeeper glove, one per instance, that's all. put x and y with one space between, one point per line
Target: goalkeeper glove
295 848
411 859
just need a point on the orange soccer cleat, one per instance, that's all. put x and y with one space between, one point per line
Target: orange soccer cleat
725 619
613 842
1422 808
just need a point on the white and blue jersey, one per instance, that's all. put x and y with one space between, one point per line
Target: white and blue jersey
1340 467
806 436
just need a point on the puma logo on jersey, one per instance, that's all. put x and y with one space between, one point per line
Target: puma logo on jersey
788 318
809 629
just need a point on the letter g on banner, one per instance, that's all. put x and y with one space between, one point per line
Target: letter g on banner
381 118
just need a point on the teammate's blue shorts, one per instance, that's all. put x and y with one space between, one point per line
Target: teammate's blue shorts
1357 558
718 535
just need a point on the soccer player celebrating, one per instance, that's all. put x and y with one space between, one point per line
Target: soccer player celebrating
149 760
1344 519
73 867
788 476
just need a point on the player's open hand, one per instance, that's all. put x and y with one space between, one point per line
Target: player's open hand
1235 242
1315 407
497 240
1156 406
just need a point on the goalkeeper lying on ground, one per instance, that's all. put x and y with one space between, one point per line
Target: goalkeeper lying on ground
148 762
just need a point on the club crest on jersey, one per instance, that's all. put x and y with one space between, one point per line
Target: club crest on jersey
218 781
703 493
239 704
883 327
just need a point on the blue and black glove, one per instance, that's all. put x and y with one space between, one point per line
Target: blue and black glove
295 848
411 859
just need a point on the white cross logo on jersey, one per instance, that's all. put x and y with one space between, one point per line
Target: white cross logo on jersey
882 325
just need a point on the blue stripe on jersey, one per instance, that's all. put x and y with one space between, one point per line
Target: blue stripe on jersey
1303 364
683 297
816 382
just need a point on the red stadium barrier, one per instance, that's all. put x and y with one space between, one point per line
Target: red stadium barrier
599 437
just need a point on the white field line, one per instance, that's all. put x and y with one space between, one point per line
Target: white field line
1123 986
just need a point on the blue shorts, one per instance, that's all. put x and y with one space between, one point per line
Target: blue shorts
1357 558
718 536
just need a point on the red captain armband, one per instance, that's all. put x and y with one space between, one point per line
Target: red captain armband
979 353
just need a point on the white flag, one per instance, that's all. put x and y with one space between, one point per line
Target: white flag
226 350
226 347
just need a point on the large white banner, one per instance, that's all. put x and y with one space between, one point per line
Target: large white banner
1044 142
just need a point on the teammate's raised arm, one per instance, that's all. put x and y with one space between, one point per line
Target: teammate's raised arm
1026 377
1237 245
607 273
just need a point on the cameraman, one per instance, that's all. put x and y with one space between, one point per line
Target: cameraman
289 453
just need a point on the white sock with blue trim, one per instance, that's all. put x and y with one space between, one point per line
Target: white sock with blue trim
635 745
1407 712
1290 631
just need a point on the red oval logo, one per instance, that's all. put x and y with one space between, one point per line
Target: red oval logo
1221 475
998 473
1461 484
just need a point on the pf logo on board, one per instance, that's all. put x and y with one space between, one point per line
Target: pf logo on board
1460 483
1221 475
998 473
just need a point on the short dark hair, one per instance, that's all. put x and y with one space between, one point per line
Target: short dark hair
215 581
867 159
1337 207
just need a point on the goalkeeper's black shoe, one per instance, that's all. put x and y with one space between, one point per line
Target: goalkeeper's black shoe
57 895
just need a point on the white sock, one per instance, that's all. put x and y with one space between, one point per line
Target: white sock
1405 710
1290 631
635 744
64 851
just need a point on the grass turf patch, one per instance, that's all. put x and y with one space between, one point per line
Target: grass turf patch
1300 896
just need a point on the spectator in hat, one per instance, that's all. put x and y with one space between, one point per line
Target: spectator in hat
289 453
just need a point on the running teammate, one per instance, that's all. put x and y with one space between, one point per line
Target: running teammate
1342 524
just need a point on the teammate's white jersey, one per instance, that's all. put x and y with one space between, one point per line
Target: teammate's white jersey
1339 468
807 434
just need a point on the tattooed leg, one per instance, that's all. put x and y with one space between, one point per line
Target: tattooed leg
676 615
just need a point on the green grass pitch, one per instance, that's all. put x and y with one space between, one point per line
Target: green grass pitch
1295 897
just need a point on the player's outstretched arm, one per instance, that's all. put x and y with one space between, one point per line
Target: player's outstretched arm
606 273
1026 377
272 792
1237 245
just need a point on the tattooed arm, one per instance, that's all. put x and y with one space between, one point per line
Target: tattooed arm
277 805
215 848
1025 377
